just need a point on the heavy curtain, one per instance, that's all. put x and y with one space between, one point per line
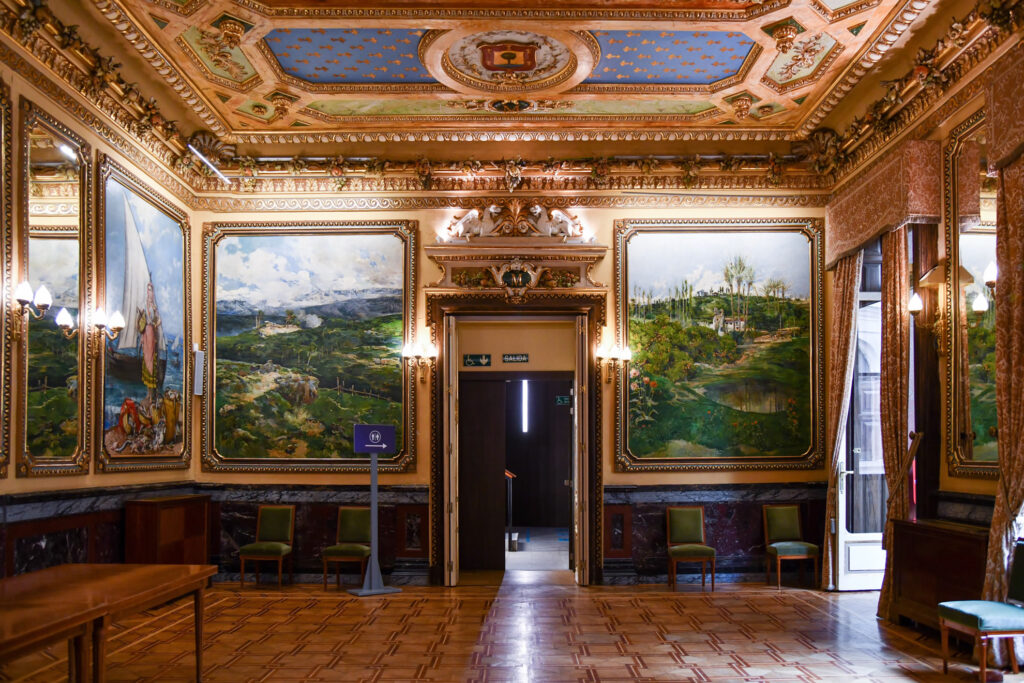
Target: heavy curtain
1006 131
895 374
1007 519
841 354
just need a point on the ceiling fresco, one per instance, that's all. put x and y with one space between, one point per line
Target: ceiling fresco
263 66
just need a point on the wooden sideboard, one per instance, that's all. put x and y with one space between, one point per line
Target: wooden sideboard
936 561
168 530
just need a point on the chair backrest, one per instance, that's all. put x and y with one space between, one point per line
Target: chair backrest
782 523
353 524
275 523
685 524
1015 591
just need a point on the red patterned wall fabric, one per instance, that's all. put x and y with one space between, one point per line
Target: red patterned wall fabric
904 184
1003 105
968 184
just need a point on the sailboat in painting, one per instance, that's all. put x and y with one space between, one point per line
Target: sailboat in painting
124 360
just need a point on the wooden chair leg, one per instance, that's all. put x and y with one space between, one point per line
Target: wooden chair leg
1013 656
241 583
817 573
778 572
944 630
325 573
362 570
291 569
671 572
337 574
280 561
712 574
984 658
767 570
703 573
257 565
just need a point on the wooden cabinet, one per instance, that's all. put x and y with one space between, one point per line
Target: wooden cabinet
169 530
936 561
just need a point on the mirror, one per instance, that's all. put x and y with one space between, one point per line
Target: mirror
51 294
971 431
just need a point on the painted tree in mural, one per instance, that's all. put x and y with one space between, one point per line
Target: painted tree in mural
721 363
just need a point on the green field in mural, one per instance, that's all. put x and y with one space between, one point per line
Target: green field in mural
721 342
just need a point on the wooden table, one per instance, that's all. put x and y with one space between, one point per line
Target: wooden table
74 601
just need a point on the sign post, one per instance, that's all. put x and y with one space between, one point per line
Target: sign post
374 439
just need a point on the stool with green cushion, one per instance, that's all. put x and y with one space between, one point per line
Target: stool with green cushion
352 542
986 619
275 533
686 541
783 540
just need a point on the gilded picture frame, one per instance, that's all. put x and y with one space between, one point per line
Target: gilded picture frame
7 264
296 350
958 426
32 117
737 364
144 426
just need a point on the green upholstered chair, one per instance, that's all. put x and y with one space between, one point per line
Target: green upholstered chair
352 542
275 532
783 540
987 620
686 541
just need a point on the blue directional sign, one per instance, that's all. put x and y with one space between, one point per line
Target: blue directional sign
374 439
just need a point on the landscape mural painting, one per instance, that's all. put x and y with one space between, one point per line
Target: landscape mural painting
52 382
144 367
720 326
978 250
309 330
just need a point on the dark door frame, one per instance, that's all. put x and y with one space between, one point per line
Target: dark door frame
593 307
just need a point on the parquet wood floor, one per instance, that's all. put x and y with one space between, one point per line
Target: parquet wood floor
522 630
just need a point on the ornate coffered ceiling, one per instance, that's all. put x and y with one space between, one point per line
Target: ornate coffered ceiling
266 70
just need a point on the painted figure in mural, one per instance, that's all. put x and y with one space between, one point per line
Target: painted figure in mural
148 321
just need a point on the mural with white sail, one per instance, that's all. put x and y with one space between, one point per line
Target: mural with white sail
143 383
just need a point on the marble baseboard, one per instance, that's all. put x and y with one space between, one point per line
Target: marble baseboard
268 580
733 523
966 508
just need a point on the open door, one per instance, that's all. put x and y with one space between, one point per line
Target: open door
862 489
579 549
451 438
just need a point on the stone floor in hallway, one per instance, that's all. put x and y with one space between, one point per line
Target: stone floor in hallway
534 626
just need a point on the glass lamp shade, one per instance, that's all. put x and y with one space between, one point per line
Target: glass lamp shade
99 318
23 293
64 320
116 321
43 299
980 304
990 275
916 305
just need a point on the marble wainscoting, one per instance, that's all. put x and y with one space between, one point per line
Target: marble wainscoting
965 508
402 528
39 530
635 535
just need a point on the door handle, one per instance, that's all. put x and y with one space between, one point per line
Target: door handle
842 479
567 482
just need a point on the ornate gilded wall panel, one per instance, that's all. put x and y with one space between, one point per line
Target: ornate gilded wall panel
304 325
6 263
146 406
724 321
55 257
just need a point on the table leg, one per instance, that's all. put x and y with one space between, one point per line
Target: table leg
198 596
99 649
78 662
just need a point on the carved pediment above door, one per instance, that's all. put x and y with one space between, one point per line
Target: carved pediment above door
517 247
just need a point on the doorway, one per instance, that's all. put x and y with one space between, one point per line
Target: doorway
515 470
485 412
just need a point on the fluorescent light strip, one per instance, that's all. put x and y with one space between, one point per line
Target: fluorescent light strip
210 165
526 406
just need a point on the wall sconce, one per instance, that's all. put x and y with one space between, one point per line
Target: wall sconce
420 356
990 275
108 328
612 359
938 327
36 305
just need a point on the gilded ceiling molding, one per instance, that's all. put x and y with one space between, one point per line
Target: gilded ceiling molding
936 73
870 55
641 200
72 105
508 119
511 13
718 134
149 51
